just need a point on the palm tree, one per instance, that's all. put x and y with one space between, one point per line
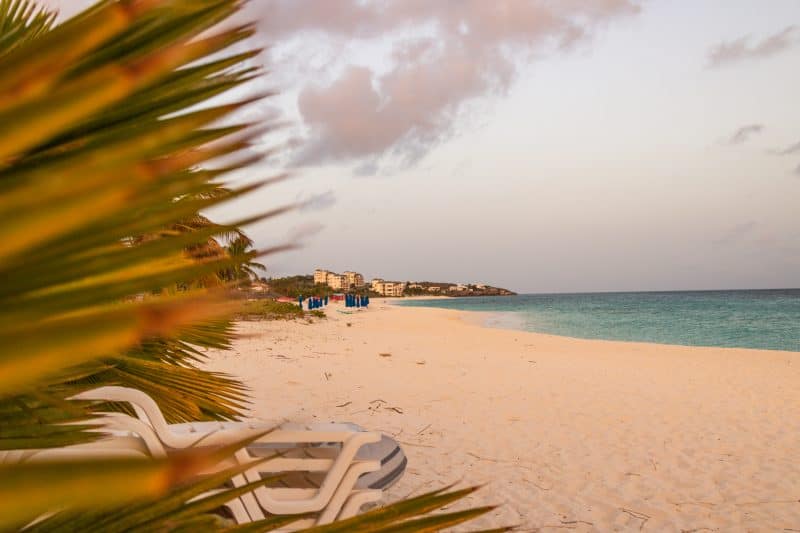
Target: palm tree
247 271
108 265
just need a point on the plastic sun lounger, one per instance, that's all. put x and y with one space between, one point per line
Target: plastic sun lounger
277 500
109 448
114 447
340 473
245 509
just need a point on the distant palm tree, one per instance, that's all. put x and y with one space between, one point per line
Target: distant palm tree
246 271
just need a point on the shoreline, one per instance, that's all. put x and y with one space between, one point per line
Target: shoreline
568 432
481 319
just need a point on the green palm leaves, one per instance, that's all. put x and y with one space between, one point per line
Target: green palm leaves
99 174
110 273
22 21
100 170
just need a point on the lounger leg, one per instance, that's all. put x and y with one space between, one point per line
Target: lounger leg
345 489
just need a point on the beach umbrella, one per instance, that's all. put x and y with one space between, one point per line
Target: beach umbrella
358 304
326 299
300 300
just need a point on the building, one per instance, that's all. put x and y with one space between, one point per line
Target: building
321 276
354 279
434 289
339 282
336 282
388 288
393 288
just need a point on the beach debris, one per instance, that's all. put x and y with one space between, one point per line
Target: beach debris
349 324
396 410
637 515
328 376
538 486
345 404
385 354
420 362
423 429
378 401
576 522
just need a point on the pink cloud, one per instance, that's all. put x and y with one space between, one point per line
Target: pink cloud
474 51
741 50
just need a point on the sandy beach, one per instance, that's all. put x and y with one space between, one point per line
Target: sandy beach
570 434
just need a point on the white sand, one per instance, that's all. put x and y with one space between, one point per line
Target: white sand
572 434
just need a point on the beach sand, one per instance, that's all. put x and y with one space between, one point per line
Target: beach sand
570 434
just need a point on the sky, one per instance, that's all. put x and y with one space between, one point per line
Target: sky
538 145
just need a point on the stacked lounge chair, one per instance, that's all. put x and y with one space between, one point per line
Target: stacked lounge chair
332 470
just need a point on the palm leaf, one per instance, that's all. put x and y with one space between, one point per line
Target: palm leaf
22 21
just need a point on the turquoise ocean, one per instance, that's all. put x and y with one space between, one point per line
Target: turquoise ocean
766 319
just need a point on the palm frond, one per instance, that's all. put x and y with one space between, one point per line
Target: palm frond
22 21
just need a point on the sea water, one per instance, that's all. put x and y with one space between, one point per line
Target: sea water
766 319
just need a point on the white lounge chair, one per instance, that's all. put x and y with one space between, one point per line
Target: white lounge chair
308 450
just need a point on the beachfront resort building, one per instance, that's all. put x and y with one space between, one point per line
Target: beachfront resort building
388 288
339 282
354 279
321 276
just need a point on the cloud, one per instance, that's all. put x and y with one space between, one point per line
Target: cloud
744 133
741 50
736 233
789 150
436 57
317 202
367 168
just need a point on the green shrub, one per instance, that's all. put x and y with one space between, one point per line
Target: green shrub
274 310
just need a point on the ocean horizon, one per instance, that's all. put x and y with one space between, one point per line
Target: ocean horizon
748 318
